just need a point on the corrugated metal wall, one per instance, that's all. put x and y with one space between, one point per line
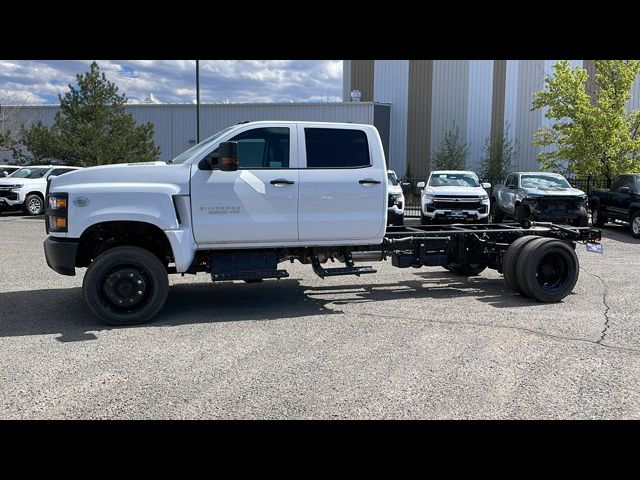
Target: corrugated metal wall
450 99
175 125
391 85
479 109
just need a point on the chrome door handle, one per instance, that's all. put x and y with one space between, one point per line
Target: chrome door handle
281 181
369 181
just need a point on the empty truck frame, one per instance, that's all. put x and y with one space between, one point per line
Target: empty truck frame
260 193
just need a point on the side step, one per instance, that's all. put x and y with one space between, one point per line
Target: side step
350 269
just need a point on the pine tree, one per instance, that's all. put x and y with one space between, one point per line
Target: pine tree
452 151
92 128
498 156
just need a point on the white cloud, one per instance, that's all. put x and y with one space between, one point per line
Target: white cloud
173 81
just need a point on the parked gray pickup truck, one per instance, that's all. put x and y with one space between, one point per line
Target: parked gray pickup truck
539 196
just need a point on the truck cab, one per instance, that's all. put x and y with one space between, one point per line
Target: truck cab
620 202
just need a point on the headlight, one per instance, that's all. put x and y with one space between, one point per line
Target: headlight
484 197
427 198
16 187
57 213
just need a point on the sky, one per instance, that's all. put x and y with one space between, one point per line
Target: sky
34 82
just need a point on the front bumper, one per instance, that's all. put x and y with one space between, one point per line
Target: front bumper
447 215
61 254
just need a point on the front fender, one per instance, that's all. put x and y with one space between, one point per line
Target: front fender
151 204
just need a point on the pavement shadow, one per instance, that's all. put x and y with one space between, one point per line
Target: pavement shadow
63 312
618 233
435 285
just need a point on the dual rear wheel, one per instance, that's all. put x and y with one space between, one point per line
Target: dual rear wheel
544 269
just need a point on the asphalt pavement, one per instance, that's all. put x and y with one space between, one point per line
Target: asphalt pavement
400 344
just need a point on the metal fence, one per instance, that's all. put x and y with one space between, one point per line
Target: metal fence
412 192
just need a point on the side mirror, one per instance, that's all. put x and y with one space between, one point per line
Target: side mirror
624 190
228 156
486 186
421 185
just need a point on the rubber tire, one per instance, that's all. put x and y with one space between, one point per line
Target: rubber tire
528 263
154 270
495 213
399 222
510 261
424 220
466 269
633 218
599 219
25 207
582 220
520 214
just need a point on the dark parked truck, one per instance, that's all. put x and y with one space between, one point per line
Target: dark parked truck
620 202
539 196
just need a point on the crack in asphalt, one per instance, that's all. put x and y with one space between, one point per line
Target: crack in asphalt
507 327
605 291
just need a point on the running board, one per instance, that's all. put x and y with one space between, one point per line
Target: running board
333 272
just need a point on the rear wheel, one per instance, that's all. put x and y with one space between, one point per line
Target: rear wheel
466 269
510 260
548 270
635 225
126 286
33 204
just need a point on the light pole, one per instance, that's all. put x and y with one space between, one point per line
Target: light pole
197 101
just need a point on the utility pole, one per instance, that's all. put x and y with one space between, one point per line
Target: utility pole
197 101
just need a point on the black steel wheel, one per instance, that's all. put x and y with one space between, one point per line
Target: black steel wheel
510 260
126 286
548 270
583 218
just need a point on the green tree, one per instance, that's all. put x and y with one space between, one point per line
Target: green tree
498 156
92 128
452 151
591 134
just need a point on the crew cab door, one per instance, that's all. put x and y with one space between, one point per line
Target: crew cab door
343 183
620 201
256 203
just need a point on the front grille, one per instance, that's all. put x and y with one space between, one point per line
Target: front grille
463 203
558 204
9 195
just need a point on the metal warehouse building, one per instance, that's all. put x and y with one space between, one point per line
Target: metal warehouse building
480 96
175 125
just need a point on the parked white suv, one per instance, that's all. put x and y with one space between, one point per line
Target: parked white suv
395 202
453 196
25 188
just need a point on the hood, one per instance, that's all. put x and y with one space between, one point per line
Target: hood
394 189
20 181
554 192
453 191
131 174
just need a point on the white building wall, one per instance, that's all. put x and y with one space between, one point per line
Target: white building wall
480 97
449 99
391 85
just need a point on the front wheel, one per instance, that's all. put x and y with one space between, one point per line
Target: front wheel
496 214
424 220
635 225
126 286
521 213
33 205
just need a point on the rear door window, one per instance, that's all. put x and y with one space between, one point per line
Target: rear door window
336 148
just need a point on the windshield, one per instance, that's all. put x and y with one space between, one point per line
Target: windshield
453 180
544 181
393 180
29 172
186 155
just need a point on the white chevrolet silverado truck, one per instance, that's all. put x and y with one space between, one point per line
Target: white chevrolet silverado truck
260 193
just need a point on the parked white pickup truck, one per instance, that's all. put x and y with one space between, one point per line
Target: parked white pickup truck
257 194
25 188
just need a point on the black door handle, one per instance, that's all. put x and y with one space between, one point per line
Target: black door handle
369 181
279 181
